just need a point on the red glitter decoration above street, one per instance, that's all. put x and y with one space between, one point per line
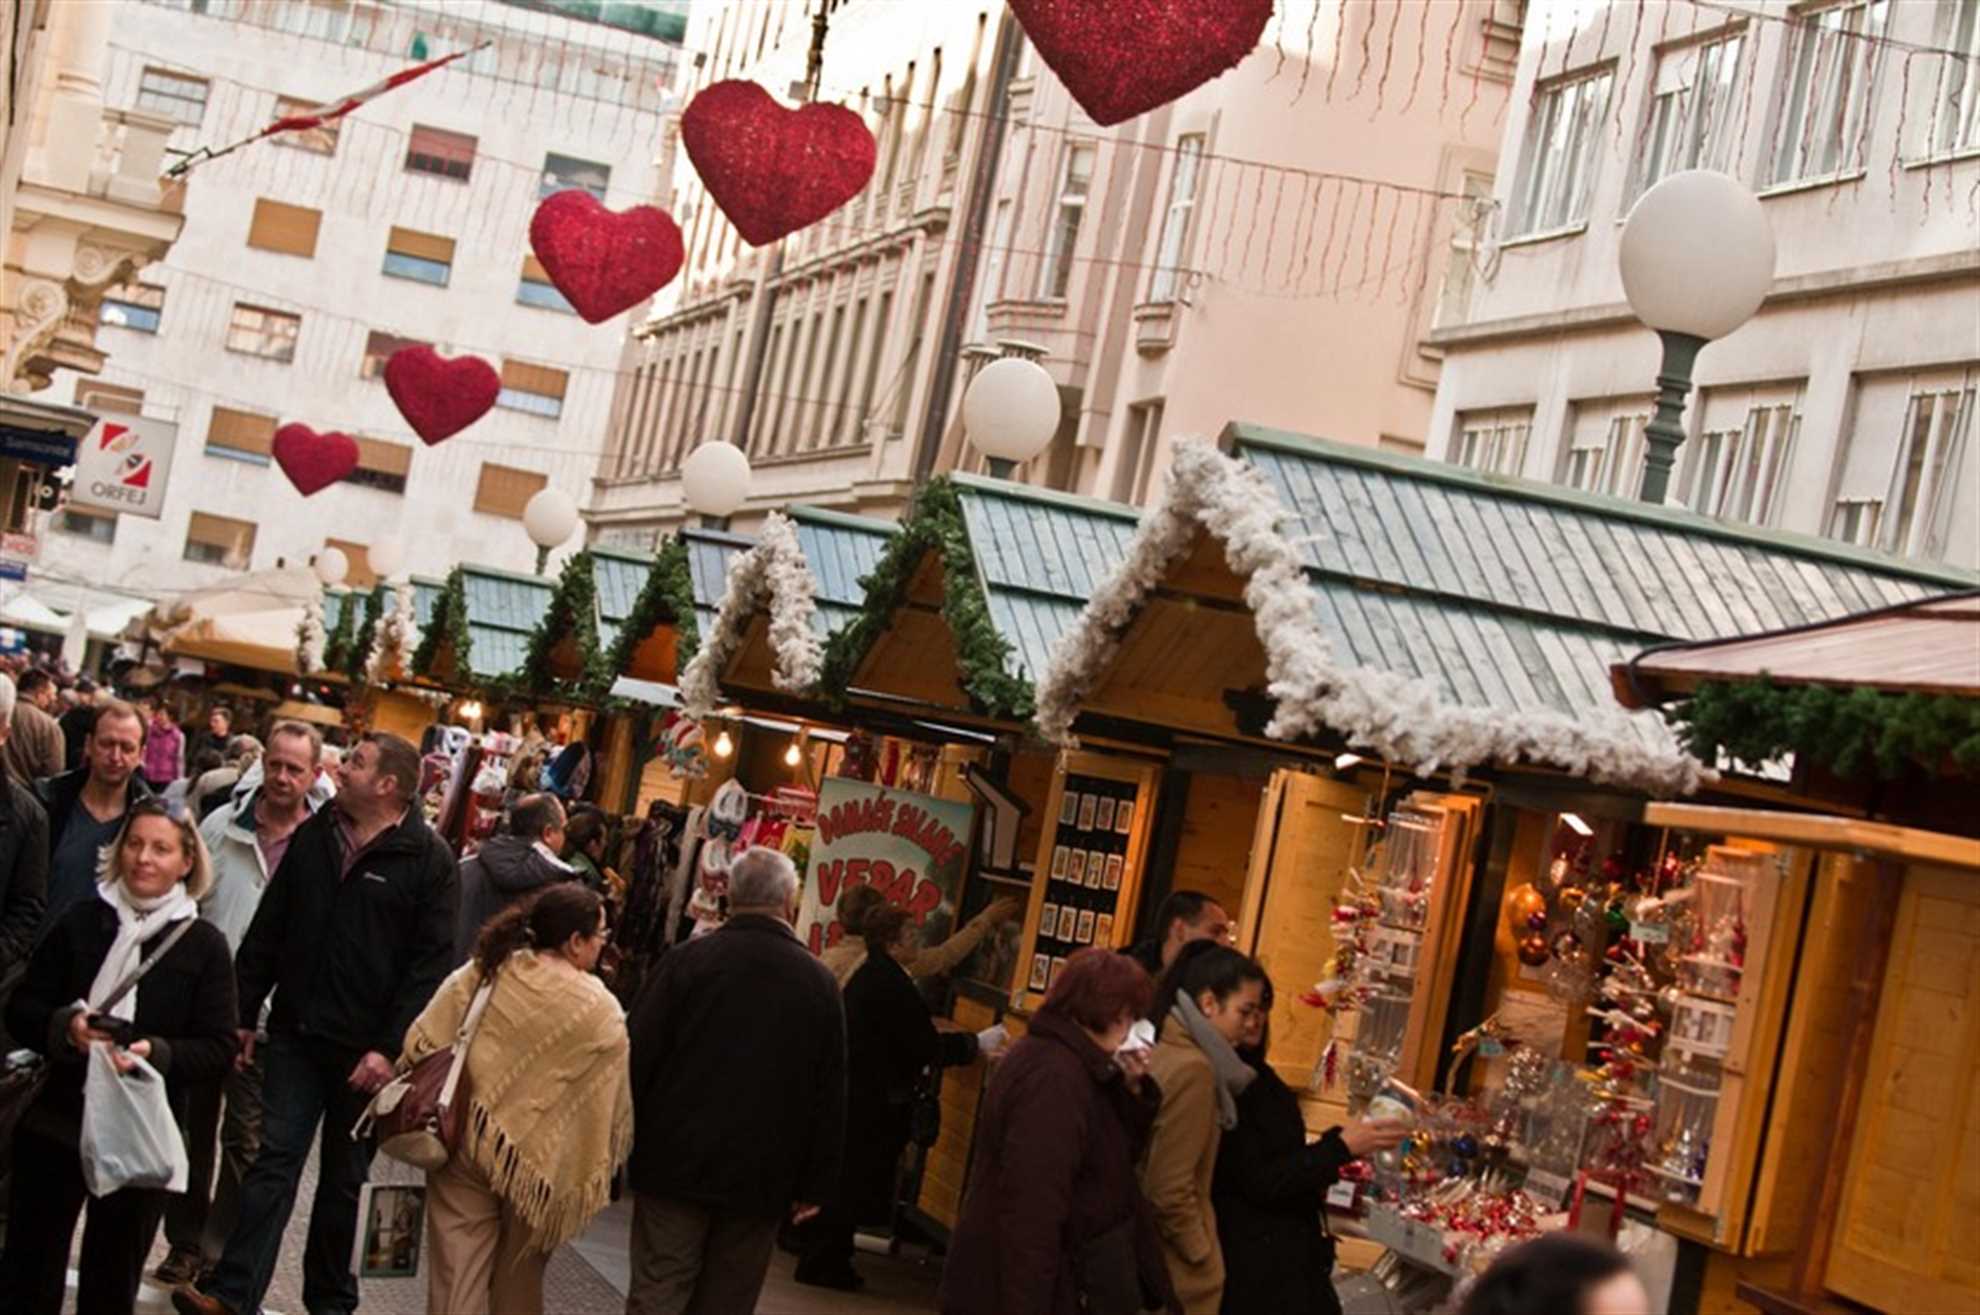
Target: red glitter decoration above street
1120 58
775 170
440 397
313 461
604 261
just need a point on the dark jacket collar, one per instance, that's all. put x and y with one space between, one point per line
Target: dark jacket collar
758 922
406 836
1098 1063
59 793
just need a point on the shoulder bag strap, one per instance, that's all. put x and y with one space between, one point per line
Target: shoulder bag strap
129 984
469 1024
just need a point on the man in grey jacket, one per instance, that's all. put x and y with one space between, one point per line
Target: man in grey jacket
246 837
510 868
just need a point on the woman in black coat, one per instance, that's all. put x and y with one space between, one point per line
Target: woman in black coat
180 1019
891 1042
1270 1192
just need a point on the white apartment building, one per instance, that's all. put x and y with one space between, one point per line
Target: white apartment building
1845 407
1169 268
307 258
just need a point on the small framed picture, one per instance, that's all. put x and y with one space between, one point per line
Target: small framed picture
1058 966
1103 816
1068 921
1096 869
1103 929
1075 867
1058 862
1041 967
1085 928
1068 807
1123 816
1088 804
391 1226
1114 868
1048 920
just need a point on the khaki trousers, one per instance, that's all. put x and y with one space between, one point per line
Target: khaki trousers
481 1259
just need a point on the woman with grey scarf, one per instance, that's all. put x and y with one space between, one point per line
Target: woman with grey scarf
1203 1007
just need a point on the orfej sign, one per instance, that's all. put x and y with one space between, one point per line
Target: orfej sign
123 464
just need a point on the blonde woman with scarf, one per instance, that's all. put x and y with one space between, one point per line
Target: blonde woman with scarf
549 1117
179 1018
1203 1006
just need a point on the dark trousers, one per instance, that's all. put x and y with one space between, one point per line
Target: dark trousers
47 1194
200 1222
692 1260
866 1196
304 1085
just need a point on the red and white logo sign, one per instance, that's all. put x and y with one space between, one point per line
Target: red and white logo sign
123 464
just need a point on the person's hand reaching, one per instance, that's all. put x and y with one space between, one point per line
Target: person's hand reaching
1366 1136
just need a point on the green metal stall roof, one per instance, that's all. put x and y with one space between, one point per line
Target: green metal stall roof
841 549
503 609
619 577
426 592
710 554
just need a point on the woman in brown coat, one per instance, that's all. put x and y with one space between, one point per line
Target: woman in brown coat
1054 1224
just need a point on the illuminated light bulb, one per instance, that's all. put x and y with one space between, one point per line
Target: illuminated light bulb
791 755
724 746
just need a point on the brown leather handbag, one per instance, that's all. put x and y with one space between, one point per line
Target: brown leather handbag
416 1117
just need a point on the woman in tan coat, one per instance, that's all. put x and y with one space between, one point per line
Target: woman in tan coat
1202 1008
549 1117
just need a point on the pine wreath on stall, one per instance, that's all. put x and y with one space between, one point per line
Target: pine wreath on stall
446 635
337 649
358 656
566 639
1850 732
667 598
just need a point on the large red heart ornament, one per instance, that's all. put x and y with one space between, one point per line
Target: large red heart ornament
604 261
438 397
775 170
1120 58
313 461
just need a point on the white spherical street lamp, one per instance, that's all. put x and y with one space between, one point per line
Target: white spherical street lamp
1697 258
549 518
715 480
1010 412
386 557
332 566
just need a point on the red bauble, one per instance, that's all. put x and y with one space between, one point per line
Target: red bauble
438 397
775 170
604 261
1120 58
313 461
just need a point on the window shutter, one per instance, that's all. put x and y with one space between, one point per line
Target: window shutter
290 229
538 379
242 431
234 538
94 396
360 576
534 271
385 458
422 246
505 491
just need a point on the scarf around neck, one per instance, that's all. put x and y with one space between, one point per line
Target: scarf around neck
1233 1074
138 920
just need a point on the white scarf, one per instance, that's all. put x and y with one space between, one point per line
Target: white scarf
138 920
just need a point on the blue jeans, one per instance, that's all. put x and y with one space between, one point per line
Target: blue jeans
303 1084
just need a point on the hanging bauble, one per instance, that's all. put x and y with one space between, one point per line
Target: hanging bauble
604 261
440 397
1533 949
1120 58
1571 897
313 461
774 170
1522 903
1537 921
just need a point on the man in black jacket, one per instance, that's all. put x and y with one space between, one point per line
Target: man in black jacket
739 1100
353 934
511 867
86 806
23 862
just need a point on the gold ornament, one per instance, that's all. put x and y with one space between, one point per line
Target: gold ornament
1522 904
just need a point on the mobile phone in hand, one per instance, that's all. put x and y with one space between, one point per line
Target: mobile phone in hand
119 1030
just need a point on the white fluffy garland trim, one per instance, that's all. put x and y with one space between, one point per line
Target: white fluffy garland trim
314 638
1403 719
392 646
772 574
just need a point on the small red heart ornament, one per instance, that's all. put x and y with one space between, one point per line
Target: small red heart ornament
440 397
313 461
775 170
604 261
1120 58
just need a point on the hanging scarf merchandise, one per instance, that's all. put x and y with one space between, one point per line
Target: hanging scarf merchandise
1233 1074
138 920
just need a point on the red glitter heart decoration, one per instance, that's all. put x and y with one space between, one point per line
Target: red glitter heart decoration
604 261
1120 58
438 397
775 170
313 461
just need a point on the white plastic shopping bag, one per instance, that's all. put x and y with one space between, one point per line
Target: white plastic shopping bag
129 1137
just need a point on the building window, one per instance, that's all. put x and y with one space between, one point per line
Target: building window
1063 239
1494 442
1175 223
1736 472
1461 261
505 490
537 389
1927 470
320 140
563 172
1908 454
1557 162
258 331
220 541
289 229
95 395
1831 62
381 465
1693 108
1956 98
422 257
240 435
378 349
1605 448
174 95
437 151
1137 460
536 289
134 306
1855 520
86 525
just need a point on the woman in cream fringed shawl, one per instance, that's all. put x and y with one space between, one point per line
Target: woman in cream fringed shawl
549 1114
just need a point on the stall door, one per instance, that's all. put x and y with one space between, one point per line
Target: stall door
1304 841
1903 1238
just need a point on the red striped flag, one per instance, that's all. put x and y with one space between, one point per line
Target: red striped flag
332 110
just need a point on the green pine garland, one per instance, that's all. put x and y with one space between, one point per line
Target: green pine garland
934 523
667 598
572 614
359 653
1850 732
448 625
336 649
